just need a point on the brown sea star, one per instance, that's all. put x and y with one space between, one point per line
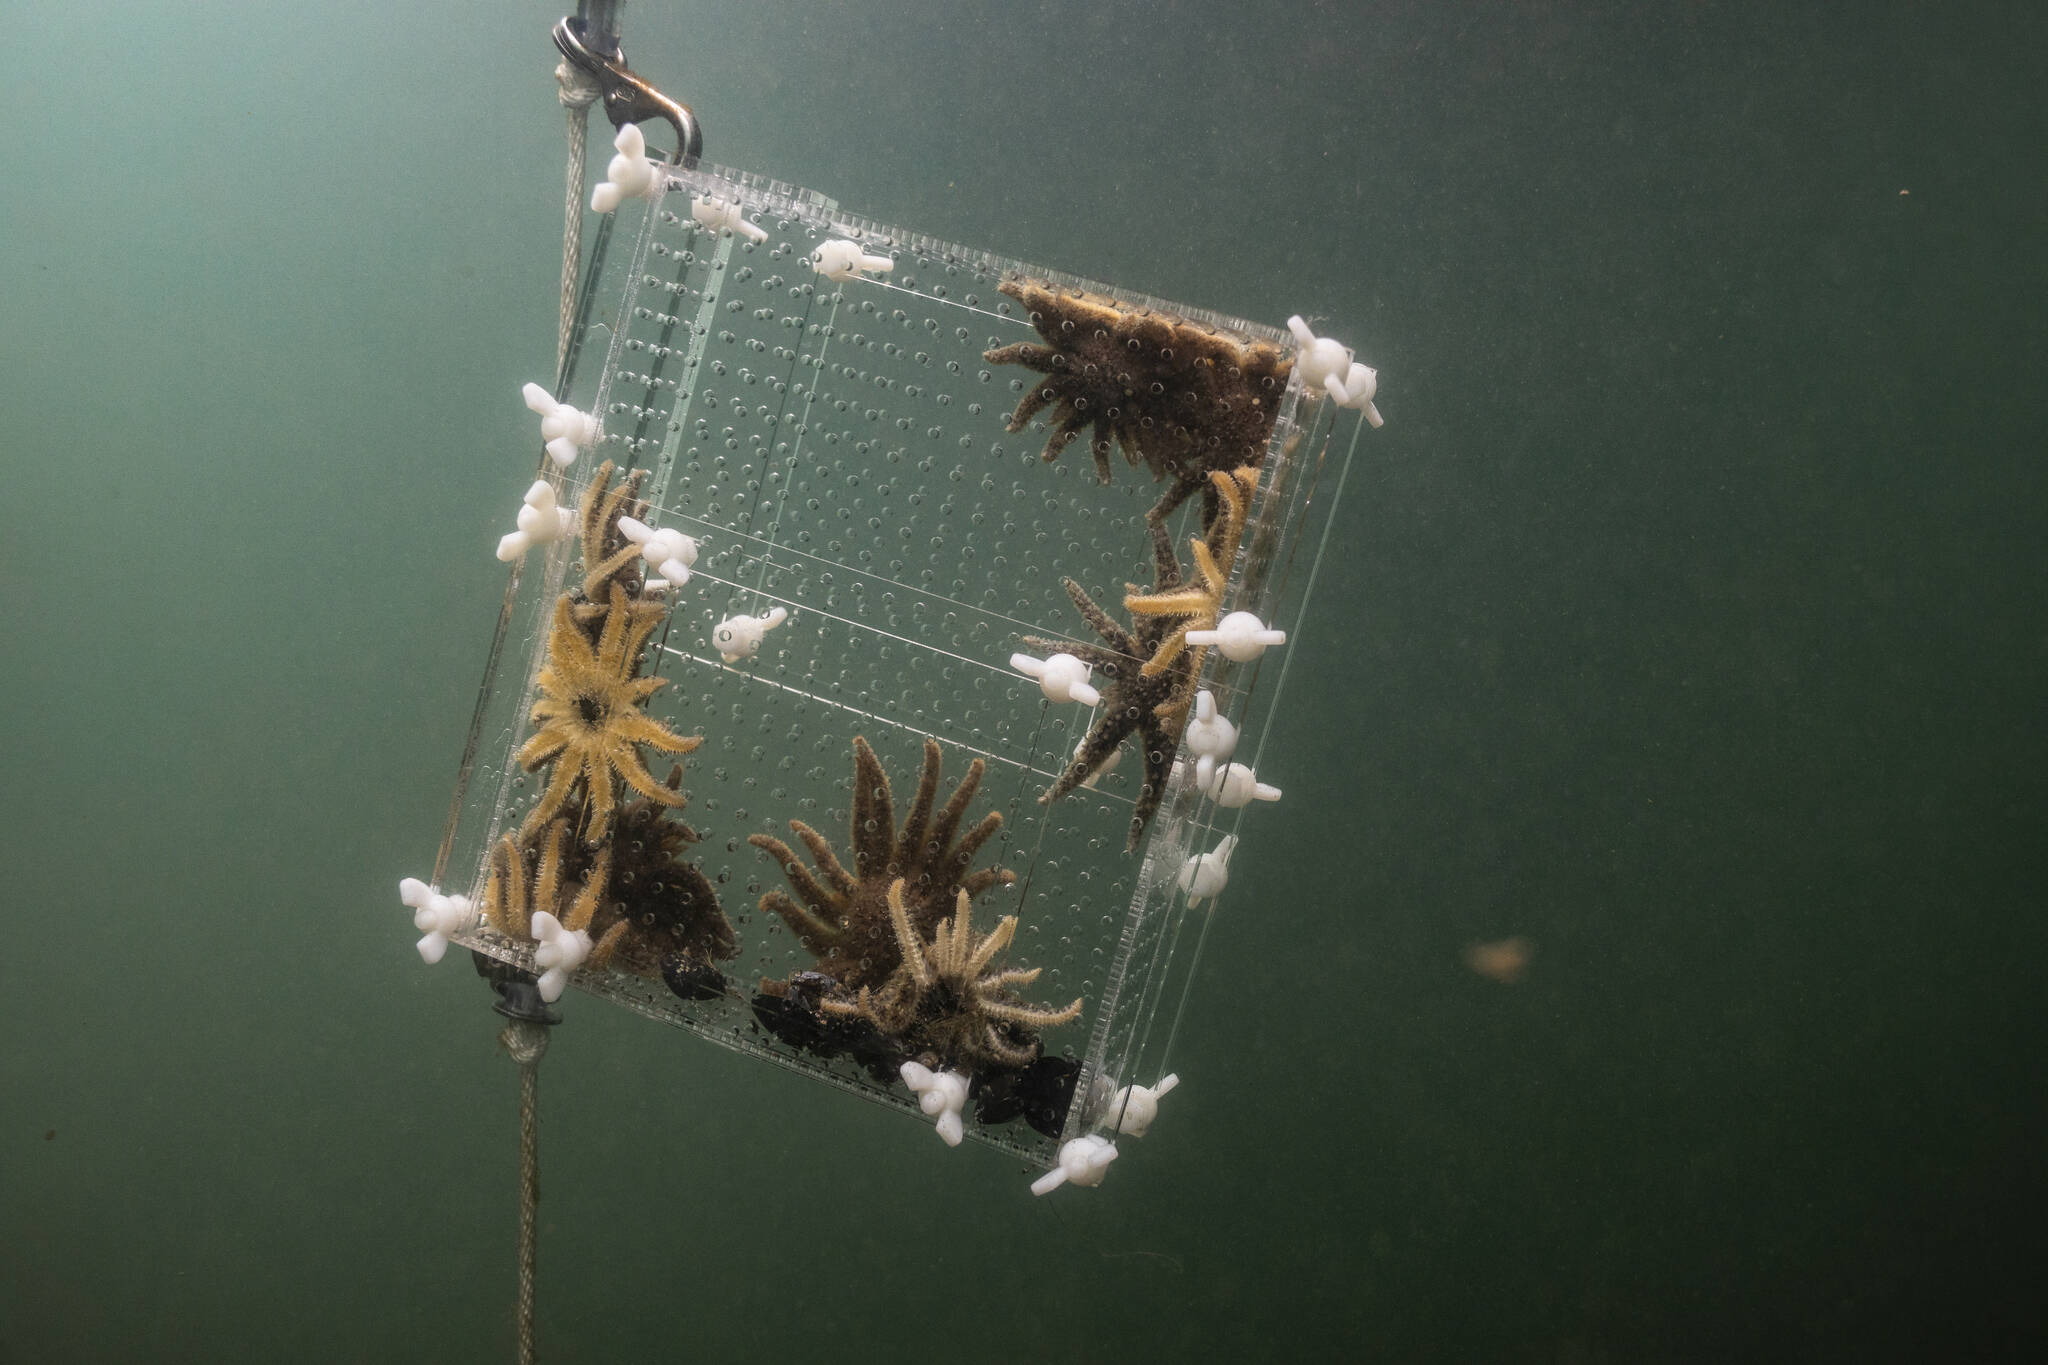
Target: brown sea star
591 724
1182 399
844 920
942 1001
669 907
1136 704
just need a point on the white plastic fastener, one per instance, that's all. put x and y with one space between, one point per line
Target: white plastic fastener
1231 784
1204 875
433 914
1210 734
541 520
1061 677
842 259
737 637
942 1094
1328 364
1084 1161
672 553
1138 1105
566 430
715 213
630 175
1240 636
557 953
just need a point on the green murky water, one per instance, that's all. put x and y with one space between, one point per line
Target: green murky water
1690 623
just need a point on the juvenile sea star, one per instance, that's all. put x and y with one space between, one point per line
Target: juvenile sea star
1196 606
844 919
943 1000
590 722
513 895
1183 399
1136 703
607 554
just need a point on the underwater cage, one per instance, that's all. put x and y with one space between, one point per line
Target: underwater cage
892 633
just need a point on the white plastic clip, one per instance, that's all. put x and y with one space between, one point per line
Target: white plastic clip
1138 1105
631 174
841 259
1084 1161
1210 734
557 953
1204 875
540 521
566 430
1231 784
672 553
715 213
1240 636
737 637
433 914
1062 677
942 1094
1328 364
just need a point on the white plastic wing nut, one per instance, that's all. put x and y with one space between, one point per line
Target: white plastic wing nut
631 174
1204 875
672 553
1231 784
566 430
737 637
1138 1105
1084 1161
714 213
941 1094
1210 734
842 259
1061 677
1240 636
433 914
557 952
541 520
1328 364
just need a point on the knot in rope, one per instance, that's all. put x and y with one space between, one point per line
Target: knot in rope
577 88
525 1041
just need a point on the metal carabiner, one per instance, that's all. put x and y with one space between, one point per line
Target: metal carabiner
628 98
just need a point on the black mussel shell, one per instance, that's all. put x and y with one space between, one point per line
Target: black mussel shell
1040 1094
692 980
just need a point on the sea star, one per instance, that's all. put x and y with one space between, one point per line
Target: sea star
943 1001
674 925
607 554
591 724
1183 399
1196 606
1136 703
513 895
844 919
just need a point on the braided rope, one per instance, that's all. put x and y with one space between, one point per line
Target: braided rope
526 1042
577 92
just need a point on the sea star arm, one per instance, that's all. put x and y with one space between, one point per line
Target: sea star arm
910 844
874 813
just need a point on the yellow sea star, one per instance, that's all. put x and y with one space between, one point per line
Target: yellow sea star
590 722
513 896
943 1000
1199 603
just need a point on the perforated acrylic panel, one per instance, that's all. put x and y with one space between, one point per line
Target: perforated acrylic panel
840 451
